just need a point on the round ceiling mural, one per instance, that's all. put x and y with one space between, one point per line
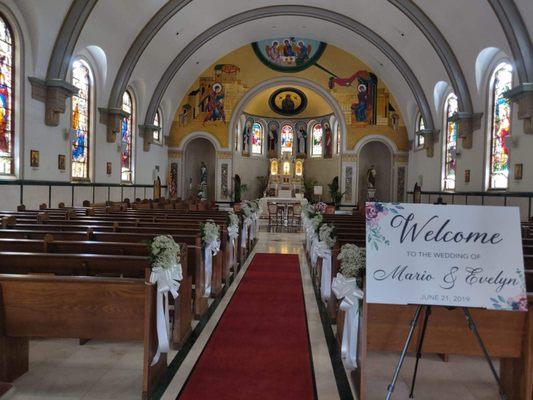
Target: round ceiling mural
287 101
288 54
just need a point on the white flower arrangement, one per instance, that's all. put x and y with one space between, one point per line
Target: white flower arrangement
308 210
353 261
210 232
316 221
247 210
328 234
164 252
254 205
233 220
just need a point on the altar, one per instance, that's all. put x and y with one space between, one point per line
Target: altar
263 202
285 178
285 183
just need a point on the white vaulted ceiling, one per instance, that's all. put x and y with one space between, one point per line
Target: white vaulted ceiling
113 25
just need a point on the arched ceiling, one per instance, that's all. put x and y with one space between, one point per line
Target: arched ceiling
317 106
467 27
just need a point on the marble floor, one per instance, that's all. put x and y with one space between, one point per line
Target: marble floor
62 369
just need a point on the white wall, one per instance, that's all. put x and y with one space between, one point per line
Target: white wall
323 170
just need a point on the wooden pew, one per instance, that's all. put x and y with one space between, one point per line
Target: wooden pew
74 307
98 265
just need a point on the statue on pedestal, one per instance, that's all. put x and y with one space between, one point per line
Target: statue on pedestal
371 183
202 192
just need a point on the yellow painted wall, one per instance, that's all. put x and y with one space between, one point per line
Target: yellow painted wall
253 71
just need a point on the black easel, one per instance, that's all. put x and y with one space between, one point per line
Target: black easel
471 325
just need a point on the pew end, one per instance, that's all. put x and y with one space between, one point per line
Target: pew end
101 308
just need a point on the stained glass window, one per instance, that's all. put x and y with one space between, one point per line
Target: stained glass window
450 145
7 112
500 127
157 132
317 141
127 138
287 139
420 126
257 138
80 120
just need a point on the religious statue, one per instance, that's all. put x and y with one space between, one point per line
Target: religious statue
328 141
202 192
272 140
371 178
246 135
301 141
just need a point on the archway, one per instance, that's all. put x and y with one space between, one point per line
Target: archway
196 151
379 155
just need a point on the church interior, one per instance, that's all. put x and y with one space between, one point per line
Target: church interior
193 196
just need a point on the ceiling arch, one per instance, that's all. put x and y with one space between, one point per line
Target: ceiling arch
66 40
292 10
517 36
443 49
161 17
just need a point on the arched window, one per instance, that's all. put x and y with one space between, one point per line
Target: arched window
257 138
7 100
500 127
158 122
450 144
127 138
287 139
317 147
81 120
420 126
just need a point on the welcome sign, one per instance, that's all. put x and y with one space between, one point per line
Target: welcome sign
467 256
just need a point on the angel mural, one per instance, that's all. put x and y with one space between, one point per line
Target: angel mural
214 104
365 83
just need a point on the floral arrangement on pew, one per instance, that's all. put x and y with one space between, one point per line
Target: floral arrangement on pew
210 233
347 287
233 222
166 274
256 213
353 262
326 239
320 207
246 222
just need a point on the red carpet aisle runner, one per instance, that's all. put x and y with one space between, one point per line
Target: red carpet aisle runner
260 348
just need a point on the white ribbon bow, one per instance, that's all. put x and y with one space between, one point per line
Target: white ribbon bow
244 237
210 250
233 233
347 290
167 280
322 250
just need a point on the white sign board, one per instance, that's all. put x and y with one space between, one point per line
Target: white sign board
450 255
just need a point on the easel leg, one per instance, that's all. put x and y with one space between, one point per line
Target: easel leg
472 326
419 349
414 321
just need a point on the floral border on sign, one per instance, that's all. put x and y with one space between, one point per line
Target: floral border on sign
517 303
374 211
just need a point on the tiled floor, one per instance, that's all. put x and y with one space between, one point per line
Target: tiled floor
62 369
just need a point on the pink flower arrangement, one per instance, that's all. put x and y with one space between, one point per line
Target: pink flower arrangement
320 207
